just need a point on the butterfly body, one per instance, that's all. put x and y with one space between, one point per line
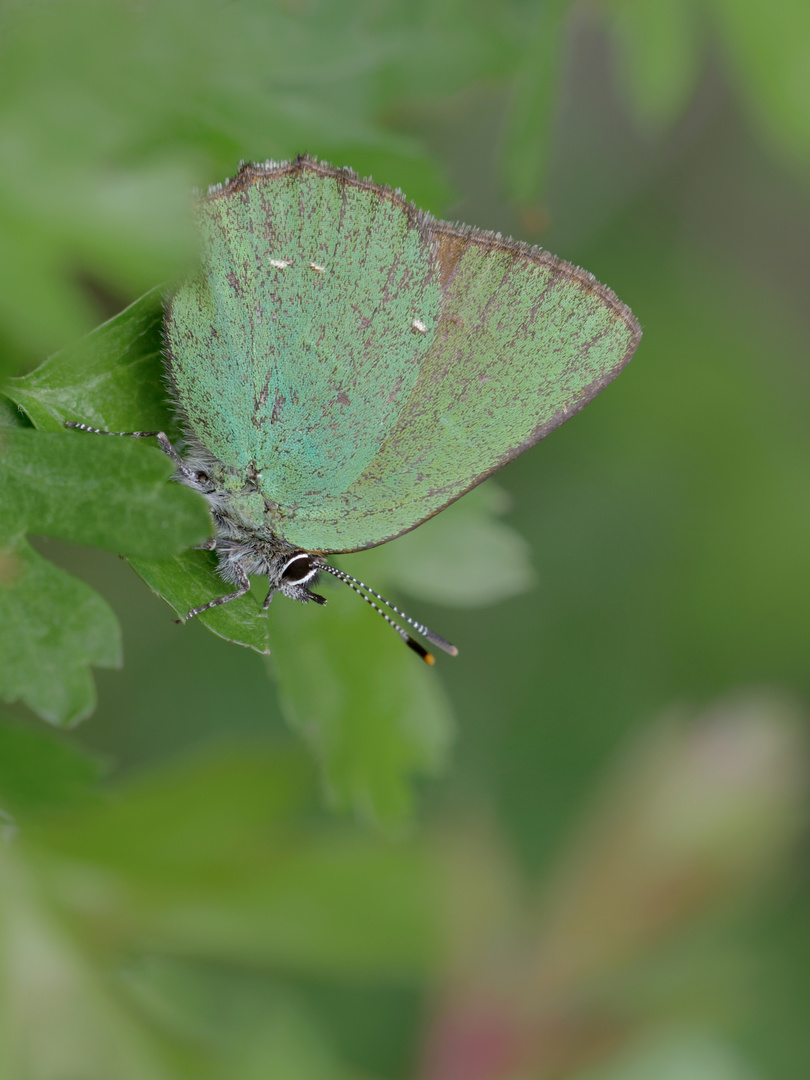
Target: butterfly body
246 541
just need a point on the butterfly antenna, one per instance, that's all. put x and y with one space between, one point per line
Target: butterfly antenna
435 639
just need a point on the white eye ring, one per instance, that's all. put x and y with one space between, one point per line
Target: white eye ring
308 566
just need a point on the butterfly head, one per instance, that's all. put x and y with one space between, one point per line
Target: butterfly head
302 568
296 574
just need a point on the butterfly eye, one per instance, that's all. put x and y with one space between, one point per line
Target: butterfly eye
298 568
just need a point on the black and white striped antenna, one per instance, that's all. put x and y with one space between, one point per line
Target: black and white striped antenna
435 639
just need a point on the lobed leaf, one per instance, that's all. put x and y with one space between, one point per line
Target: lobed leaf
107 379
52 629
112 493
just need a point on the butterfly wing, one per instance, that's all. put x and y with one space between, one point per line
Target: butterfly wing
293 351
373 392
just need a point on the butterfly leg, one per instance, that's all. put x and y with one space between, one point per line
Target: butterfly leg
161 437
268 598
244 586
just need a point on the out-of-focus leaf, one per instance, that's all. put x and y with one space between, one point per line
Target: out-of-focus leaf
289 1045
696 817
212 860
260 1033
698 813
253 1026
442 46
57 1016
53 628
71 115
39 772
681 1053
112 114
463 557
531 112
767 47
374 715
659 56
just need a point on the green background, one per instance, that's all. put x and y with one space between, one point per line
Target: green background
578 849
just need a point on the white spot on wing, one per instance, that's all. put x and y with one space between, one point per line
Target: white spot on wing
280 264
419 326
316 268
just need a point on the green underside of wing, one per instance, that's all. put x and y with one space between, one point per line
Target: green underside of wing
520 347
295 350
364 365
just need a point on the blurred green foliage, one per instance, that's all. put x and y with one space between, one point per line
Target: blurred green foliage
541 911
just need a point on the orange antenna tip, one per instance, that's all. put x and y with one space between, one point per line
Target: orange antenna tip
420 650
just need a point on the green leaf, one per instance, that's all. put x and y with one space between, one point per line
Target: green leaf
52 629
189 580
111 493
374 716
39 772
114 379
11 416
108 379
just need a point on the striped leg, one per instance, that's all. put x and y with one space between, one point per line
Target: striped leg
244 586
161 437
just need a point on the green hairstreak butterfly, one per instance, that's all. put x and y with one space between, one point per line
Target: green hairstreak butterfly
345 366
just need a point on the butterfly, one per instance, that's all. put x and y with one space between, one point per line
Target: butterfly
344 366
